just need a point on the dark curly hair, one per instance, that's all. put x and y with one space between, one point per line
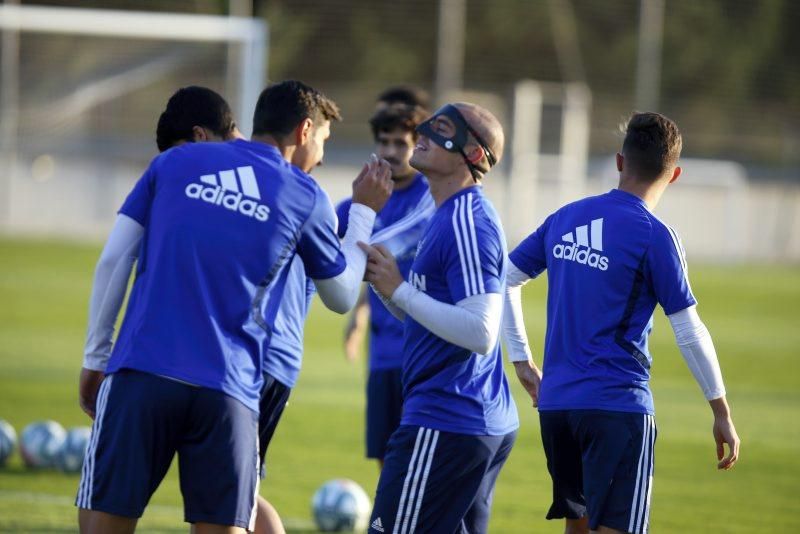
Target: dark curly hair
397 117
189 107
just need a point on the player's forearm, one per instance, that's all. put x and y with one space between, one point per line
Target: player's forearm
473 323
108 291
697 348
340 293
514 335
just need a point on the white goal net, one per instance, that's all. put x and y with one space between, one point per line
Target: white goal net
80 95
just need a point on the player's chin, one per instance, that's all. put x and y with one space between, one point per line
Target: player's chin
417 161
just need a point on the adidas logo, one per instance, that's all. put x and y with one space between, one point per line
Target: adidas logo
377 525
591 238
226 192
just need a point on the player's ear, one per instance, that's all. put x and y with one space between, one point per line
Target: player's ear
303 131
620 161
476 155
199 134
675 174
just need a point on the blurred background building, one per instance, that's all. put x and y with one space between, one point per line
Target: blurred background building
79 108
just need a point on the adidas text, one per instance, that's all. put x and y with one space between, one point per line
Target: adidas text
583 256
227 194
591 238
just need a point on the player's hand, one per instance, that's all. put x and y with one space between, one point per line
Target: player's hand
725 432
373 185
382 271
87 390
530 377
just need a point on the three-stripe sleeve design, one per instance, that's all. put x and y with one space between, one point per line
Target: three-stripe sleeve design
86 486
640 505
467 245
681 252
415 482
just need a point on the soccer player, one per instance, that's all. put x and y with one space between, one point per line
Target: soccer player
198 114
398 226
218 225
459 420
609 261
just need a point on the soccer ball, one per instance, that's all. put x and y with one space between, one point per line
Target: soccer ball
70 457
8 441
341 505
41 443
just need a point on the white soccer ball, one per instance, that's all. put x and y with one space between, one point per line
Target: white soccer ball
8 441
70 457
341 505
41 443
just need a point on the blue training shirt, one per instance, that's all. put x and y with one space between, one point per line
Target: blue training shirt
284 356
223 222
447 387
609 260
398 226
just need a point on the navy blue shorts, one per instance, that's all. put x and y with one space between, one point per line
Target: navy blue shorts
142 420
274 396
601 464
438 482
384 408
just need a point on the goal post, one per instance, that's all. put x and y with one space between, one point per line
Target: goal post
80 95
251 34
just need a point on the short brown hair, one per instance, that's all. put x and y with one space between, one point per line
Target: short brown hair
397 117
282 106
652 144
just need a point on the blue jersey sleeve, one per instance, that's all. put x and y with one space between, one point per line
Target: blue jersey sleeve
530 256
343 214
667 271
140 199
319 246
473 258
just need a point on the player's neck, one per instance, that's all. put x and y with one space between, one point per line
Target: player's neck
403 182
649 192
444 187
287 151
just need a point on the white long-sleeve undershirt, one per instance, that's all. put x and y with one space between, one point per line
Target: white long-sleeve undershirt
472 323
108 290
340 293
697 348
113 270
514 335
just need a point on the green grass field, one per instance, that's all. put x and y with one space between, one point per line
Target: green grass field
752 312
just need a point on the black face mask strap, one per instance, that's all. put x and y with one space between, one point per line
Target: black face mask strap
488 151
459 140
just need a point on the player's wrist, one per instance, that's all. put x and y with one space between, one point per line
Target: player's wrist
720 408
362 209
401 295
361 219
